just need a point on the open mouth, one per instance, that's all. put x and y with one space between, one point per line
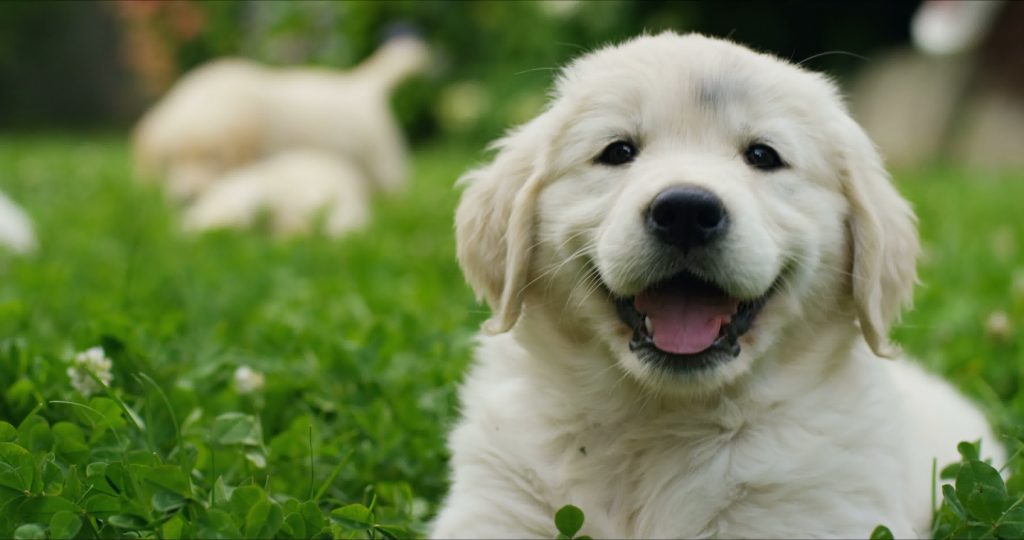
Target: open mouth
687 323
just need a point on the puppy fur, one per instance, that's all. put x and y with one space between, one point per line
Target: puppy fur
811 431
292 187
231 112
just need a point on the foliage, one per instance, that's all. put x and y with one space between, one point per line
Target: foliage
361 342
508 49
977 504
569 521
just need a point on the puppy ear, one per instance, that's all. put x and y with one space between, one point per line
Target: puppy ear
884 240
494 223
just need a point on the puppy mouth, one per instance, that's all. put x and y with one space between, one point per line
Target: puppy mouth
686 322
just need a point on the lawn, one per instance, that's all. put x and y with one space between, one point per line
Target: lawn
361 343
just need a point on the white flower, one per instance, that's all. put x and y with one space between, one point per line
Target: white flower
998 326
248 380
87 364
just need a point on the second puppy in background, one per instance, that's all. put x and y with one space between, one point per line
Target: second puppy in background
292 188
231 113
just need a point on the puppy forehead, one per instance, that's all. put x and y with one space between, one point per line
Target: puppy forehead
689 70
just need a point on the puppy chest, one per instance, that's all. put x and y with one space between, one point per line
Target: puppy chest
723 483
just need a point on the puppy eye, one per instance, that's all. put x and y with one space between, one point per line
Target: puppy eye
617 153
764 157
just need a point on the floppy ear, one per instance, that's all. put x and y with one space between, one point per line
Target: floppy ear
885 244
494 223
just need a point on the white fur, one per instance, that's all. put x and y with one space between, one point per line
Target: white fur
808 432
16 231
293 187
230 112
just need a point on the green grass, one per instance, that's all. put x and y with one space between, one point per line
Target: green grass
362 342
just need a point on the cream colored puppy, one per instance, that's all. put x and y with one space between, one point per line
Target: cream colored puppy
293 188
16 232
230 112
693 256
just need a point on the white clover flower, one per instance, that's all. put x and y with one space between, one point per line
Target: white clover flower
998 326
90 361
248 380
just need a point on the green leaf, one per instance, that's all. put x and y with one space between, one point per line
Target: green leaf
950 471
173 528
353 517
17 468
111 414
42 509
263 520
52 476
127 522
981 490
96 477
1011 524
170 478
102 505
393 532
7 432
294 526
221 492
73 484
236 428
569 520
70 443
953 502
30 531
217 524
314 517
34 434
255 518
167 501
64 524
243 498
120 479
968 450
881 532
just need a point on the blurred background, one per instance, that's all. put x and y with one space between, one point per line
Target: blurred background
98 64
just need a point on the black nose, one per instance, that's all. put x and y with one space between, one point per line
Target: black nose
687 217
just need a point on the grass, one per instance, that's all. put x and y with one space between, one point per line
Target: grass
361 342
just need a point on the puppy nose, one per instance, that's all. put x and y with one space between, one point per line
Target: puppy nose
687 217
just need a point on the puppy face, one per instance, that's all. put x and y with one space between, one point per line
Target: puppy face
692 205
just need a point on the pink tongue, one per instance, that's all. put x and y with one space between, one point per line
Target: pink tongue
685 322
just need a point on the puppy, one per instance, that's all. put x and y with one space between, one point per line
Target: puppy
293 187
693 257
16 232
231 112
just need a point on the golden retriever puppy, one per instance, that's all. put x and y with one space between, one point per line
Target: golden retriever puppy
231 111
293 189
693 257
16 232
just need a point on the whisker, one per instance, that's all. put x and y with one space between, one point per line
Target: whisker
829 53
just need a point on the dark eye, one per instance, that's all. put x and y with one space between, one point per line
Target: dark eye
764 157
617 153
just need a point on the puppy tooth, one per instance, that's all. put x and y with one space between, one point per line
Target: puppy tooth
647 325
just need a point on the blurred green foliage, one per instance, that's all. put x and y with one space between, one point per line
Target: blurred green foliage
493 59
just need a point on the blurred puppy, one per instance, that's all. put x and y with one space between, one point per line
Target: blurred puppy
230 112
293 188
16 231
693 256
